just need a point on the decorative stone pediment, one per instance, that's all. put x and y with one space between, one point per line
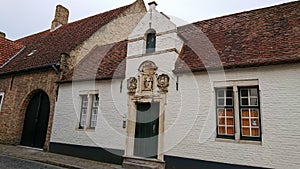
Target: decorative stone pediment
148 82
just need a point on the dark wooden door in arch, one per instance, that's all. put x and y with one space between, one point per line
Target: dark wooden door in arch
36 121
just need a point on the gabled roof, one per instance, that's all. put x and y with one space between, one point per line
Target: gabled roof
8 49
255 38
47 46
101 63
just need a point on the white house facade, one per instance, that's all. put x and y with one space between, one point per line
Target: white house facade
186 97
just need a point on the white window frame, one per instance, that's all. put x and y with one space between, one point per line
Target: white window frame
235 85
90 117
1 100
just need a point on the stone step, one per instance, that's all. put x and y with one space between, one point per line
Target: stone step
136 165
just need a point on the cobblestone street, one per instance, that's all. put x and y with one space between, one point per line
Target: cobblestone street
22 157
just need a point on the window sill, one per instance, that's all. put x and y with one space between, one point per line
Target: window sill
238 141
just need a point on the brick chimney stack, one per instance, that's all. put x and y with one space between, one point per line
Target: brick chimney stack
2 35
61 17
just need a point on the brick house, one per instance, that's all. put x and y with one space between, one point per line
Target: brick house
31 66
218 93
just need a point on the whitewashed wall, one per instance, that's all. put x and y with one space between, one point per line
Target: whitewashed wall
108 133
280 113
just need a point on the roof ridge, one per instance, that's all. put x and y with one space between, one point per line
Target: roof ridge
95 15
244 12
76 21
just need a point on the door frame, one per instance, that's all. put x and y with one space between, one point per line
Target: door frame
131 124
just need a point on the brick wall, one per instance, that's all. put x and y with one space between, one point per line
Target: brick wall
19 88
115 31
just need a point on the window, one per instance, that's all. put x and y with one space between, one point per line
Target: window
89 111
95 104
225 113
249 113
238 111
84 106
1 99
151 42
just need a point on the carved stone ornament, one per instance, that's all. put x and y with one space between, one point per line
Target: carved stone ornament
163 82
148 83
131 85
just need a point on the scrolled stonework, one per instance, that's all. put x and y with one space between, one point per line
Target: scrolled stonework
132 85
163 83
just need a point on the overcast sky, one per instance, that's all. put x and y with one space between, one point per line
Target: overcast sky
19 18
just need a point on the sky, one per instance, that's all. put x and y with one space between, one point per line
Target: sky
20 18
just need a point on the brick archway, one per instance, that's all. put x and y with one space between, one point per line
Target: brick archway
36 110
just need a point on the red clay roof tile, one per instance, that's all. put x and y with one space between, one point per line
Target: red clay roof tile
102 62
49 45
8 49
254 38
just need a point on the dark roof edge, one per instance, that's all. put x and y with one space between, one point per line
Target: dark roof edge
27 70
184 71
84 80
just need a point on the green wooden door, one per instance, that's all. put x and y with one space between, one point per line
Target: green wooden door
146 130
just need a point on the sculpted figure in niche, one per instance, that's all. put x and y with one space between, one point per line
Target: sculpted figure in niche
163 82
148 83
131 84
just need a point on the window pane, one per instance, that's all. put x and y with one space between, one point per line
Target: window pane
221 93
245 113
253 101
150 44
244 92
229 112
229 93
94 118
254 113
221 121
229 121
230 130
254 122
253 92
83 117
245 102
95 100
250 122
220 102
246 131
245 122
229 102
222 130
221 112
255 132
84 101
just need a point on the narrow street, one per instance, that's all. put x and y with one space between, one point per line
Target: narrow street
7 162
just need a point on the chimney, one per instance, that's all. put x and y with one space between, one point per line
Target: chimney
61 17
152 4
2 35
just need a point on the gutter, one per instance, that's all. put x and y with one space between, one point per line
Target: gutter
27 70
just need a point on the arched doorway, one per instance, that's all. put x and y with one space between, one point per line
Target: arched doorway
36 120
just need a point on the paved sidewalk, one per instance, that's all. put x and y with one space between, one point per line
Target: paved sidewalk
52 158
